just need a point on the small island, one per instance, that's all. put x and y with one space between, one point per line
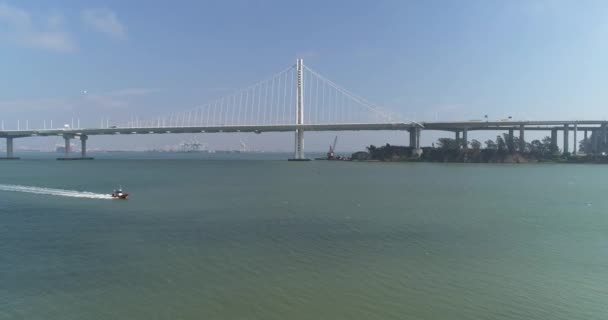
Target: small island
491 151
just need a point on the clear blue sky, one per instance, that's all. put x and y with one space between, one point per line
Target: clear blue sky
446 60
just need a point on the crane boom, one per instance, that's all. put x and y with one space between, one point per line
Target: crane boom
333 146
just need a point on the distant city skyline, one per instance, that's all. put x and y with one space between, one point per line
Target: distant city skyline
426 60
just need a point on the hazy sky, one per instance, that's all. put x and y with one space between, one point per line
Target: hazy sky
427 60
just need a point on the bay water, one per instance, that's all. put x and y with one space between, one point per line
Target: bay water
257 237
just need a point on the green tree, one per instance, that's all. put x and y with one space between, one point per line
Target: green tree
548 148
491 145
500 143
448 143
373 151
516 145
511 145
537 148
475 144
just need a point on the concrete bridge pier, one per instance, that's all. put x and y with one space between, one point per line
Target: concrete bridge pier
457 136
414 138
595 141
586 142
83 146
566 140
575 139
68 147
411 136
415 141
522 140
299 146
9 150
554 138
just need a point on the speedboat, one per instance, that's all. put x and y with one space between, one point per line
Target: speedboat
119 194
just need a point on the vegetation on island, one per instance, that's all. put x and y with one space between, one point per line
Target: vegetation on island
499 150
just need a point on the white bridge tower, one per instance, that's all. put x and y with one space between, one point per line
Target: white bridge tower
299 137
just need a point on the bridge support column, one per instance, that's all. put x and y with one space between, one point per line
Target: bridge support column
412 132
566 140
415 141
9 147
411 136
457 137
9 150
522 139
83 146
586 142
299 143
595 141
510 142
465 138
554 139
575 140
67 148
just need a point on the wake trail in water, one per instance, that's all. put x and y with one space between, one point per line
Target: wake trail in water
54 192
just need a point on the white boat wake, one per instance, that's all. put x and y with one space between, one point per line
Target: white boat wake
54 192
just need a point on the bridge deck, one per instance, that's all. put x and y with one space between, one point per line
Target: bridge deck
442 126
212 129
505 125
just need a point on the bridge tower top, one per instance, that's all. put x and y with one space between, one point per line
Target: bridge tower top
300 92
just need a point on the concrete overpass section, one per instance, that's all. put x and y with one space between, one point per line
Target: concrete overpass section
598 128
459 125
599 131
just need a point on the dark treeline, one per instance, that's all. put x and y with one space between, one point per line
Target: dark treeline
452 150
499 150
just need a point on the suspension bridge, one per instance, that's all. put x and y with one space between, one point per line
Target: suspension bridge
299 99
296 99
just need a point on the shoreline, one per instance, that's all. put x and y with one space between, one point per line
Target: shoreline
390 153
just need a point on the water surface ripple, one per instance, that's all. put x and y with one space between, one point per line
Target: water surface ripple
235 239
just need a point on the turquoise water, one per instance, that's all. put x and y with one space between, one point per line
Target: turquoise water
228 238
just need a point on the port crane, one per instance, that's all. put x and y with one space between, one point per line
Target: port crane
331 155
